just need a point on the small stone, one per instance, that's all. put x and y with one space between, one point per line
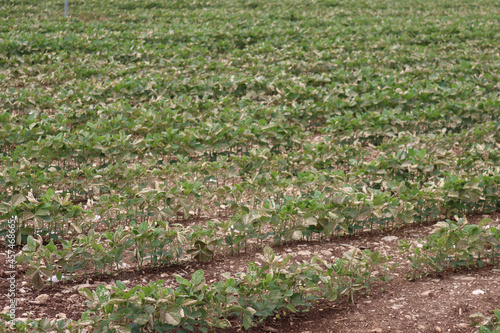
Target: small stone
54 278
43 298
58 295
389 238
326 252
61 315
464 278
377 330
85 285
478 292
304 253
428 293
438 329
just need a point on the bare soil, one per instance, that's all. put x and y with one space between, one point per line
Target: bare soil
439 303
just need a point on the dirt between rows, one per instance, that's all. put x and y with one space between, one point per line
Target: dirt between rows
438 303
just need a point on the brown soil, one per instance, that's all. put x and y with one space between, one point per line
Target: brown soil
440 303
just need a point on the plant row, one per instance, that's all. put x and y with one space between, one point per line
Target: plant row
247 298
417 172
274 284
453 245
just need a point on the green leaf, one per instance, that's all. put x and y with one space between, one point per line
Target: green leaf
4 208
421 154
49 194
198 280
204 255
286 260
44 324
182 280
247 321
31 243
37 281
485 222
51 247
173 315
30 272
120 285
141 318
102 294
45 271
134 328
42 212
269 253
17 199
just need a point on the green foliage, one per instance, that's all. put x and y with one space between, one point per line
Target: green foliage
277 124
487 324
252 296
41 325
453 245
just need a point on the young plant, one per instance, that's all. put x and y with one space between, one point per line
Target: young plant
453 245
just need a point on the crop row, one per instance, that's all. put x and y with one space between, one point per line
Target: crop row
251 297
138 189
274 284
274 121
453 245
345 210
73 138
